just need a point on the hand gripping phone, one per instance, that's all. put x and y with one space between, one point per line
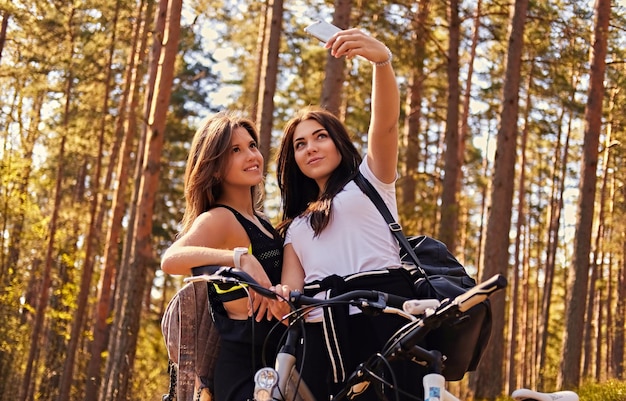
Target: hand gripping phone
322 30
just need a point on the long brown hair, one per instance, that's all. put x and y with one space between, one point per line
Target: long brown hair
299 193
207 163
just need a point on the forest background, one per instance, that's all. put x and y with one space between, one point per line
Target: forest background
513 149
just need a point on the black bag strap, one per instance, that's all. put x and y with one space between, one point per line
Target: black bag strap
395 227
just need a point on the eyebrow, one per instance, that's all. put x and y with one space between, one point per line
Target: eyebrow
312 133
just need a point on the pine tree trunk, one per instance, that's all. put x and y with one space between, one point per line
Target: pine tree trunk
464 130
93 234
559 173
579 269
260 49
617 352
267 89
27 388
410 152
121 169
448 225
3 30
513 324
131 292
489 382
332 86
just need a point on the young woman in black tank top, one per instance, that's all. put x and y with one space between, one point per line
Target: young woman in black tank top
222 185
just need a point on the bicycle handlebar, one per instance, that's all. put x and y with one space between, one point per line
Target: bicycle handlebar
480 292
371 298
227 274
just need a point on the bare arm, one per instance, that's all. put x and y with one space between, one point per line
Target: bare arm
382 146
208 242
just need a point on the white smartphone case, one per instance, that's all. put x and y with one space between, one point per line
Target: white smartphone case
322 30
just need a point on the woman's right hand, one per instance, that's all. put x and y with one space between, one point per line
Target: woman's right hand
260 304
280 308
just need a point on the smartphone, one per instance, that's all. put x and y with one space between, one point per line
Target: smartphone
322 30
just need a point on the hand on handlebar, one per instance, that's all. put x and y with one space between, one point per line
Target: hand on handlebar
260 304
280 308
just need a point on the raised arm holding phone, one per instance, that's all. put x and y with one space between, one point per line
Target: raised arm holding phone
333 231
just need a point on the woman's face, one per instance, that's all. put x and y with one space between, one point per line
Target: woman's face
245 162
316 154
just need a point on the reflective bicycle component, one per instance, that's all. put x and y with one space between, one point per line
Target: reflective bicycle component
524 394
419 306
264 382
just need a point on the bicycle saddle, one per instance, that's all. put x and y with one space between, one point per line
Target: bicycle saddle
524 394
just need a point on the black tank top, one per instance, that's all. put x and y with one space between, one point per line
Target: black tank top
269 252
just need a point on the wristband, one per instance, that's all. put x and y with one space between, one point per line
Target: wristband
237 256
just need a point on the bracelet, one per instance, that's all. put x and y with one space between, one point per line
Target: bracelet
237 256
384 63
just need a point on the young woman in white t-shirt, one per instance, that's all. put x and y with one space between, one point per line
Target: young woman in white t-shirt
333 230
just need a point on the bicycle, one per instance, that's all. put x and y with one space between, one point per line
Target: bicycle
283 382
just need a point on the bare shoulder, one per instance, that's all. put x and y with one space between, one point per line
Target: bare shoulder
218 227
219 220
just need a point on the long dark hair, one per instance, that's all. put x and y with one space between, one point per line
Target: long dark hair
207 163
299 193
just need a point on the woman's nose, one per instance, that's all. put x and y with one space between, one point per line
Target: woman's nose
311 148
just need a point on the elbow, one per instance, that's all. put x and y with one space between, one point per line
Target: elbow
169 265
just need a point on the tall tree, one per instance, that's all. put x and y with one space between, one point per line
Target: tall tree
335 67
124 336
260 51
413 109
449 222
265 118
464 131
514 283
3 30
489 381
95 227
42 301
125 132
578 277
556 206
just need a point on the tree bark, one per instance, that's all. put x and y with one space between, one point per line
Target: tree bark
27 389
578 277
463 128
265 118
489 383
331 98
620 316
448 225
95 228
130 96
129 298
3 30
260 48
410 151
556 206
514 283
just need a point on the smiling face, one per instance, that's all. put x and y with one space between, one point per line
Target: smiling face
245 162
315 152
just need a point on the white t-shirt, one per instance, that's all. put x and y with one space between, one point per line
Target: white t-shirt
357 238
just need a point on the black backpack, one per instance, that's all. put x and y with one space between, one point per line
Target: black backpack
437 274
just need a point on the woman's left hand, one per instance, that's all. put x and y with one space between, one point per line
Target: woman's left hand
354 42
